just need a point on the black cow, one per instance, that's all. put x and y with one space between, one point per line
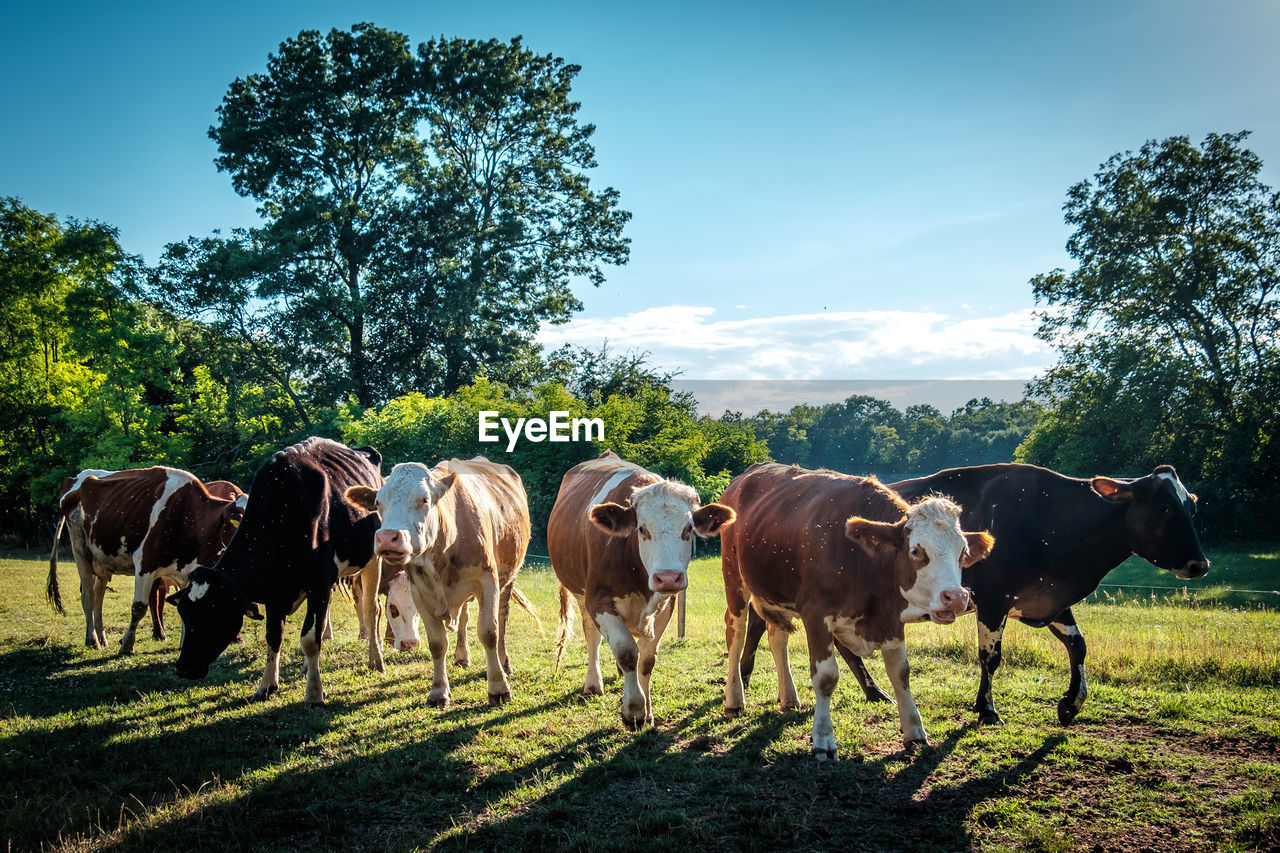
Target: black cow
1059 537
298 537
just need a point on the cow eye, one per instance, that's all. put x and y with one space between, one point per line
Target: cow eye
1165 508
644 531
918 553
394 611
688 529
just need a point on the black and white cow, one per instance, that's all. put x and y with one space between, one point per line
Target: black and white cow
298 537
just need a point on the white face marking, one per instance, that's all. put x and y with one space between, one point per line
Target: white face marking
406 503
933 532
664 519
1181 490
197 590
402 614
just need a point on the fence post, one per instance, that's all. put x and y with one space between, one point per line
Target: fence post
680 614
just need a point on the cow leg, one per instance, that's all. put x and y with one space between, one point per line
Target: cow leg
88 595
627 655
371 612
788 699
648 648
141 587
499 689
313 628
858 667
274 629
736 615
593 685
155 605
899 670
327 633
989 660
1068 633
461 645
437 639
756 626
99 593
504 610
825 675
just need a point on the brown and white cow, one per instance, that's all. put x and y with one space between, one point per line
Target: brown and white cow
620 538
854 562
151 523
461 529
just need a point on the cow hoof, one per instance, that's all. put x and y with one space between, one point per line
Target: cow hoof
316 704
990 718
1067 710
732 712
497 700
263 694
462 663
438 701
783 707
878 695
633 724
161 637
914 747
592 690
823 754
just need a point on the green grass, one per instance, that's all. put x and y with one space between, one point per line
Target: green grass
1176 747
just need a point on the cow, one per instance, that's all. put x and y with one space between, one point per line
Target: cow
298 537
854 562
1059 537
403 619
460 529
620 539
152 523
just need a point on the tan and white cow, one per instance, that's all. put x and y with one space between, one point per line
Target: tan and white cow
151 523
620 539
461 530
854 562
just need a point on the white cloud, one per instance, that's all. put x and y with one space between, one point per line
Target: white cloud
827 345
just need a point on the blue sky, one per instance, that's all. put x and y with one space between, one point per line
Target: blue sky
820 190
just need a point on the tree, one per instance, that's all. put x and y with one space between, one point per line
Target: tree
1167 330
423 215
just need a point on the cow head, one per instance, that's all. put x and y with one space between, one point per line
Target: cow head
212 608
929 551
1158 521
663 516
402 613
406 503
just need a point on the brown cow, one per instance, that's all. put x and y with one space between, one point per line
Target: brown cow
620 538
150 523
461 529
854 562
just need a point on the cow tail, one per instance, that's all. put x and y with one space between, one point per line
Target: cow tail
527 606
51 586
564 631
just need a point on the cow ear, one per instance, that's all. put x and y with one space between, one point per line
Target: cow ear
362 497
440 485
1111 489
708 520
875 536
979 548
252 611
614 519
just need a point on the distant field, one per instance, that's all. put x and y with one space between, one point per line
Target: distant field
1178 746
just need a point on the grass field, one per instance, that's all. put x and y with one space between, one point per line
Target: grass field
1178 746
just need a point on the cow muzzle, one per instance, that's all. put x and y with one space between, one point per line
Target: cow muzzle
668 581
1192 570
406 645
191 673
954 602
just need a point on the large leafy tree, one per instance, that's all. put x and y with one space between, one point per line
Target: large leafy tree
1167 329
422 214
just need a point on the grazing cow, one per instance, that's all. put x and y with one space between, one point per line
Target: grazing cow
298 537
461 529
402 615
620 538
1059 537
151 523
854 562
